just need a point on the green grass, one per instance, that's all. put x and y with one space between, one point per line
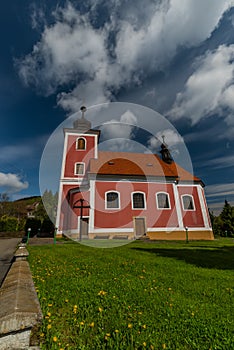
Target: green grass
140 296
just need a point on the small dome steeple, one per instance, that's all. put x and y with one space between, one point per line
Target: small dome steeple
82 124
166 155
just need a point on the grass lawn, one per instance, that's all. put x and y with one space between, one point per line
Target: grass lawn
169 295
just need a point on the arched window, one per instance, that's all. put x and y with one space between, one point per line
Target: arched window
163 201
138 200
79 168
188 203
80 143
112 200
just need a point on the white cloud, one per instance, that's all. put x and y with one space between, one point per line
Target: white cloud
74 51
209 89
222 162
122 128
171 138
12 183
168 26
220 190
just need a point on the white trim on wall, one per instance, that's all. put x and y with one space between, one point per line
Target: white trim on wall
112 191
204 210
92 204
168 197
193 203
177 206
145 204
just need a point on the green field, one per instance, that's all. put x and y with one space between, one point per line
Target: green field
140 296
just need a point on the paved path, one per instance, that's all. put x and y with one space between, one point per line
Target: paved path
7 250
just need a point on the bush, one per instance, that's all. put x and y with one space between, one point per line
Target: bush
34 224
47 227
9 224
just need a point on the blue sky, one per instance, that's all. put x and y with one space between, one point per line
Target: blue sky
175 57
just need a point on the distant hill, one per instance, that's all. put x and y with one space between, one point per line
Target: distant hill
28 200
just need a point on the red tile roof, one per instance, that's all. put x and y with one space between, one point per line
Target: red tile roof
137 164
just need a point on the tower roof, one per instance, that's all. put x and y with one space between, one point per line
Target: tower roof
82 124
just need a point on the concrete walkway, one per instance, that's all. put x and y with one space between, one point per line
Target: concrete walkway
7 250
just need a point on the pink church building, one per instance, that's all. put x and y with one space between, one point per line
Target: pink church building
121 195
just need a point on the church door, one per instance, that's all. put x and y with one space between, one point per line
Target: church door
140 227
84 227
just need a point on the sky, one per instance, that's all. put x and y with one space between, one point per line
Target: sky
174 57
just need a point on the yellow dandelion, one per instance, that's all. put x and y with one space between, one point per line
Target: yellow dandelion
50 305
169 288
151 347
164 346
139 313
49 314
144 344
144 326
81 323
192 313
100 309
66 300
129 325
91 324
75 306
42 335
102 292
55 339
49 326
116 331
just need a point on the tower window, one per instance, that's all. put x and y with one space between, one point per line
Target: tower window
81 143
188 203
112 200
79 168
163 201
138 200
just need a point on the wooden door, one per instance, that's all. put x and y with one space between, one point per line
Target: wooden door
140 227
84 227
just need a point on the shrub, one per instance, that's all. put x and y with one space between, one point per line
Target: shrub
34 224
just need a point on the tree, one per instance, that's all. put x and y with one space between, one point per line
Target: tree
227 216
223 224
4 197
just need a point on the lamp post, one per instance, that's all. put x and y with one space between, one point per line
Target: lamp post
81 207
29 230
55 233
186 230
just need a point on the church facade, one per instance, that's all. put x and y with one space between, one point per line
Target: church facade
121 195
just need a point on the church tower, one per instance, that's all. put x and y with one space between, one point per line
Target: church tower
80 145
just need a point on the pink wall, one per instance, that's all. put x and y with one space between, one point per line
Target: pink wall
123 217
191 218
74 155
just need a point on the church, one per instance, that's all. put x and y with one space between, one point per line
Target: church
123 195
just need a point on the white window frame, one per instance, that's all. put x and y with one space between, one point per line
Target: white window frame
112 191
83 138
191 196
83 169
132 194
169 201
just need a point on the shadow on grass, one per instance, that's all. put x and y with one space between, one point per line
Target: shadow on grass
221 258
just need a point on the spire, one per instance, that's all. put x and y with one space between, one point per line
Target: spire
82 124
166 155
